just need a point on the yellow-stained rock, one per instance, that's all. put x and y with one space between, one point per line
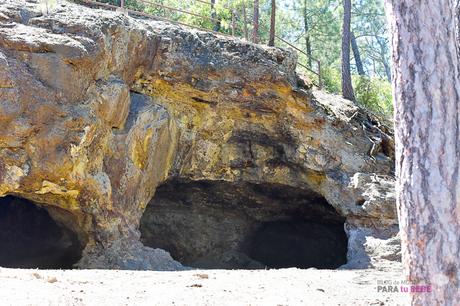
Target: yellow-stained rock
97 109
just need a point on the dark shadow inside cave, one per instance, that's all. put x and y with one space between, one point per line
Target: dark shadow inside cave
31 238
223 225
298 243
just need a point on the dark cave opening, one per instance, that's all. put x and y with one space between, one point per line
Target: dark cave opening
298 243
223 225
31 238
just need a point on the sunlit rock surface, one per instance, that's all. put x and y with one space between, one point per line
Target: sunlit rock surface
98 109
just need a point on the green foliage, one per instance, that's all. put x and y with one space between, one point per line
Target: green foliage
374 94
331 80
371 93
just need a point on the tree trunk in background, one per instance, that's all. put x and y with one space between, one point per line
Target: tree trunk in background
213 9
383 53
387 70
245 20
271 41
347 87
426 87
255 23
307 33
214 16
357 56
233 22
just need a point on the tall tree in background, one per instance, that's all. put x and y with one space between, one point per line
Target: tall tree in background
307 33
383 57
357 55
271 40
426 87
245 21
347 87
214 16
255 23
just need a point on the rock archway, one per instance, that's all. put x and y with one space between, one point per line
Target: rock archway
138 102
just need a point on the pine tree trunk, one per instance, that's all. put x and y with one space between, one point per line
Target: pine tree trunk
426 87
308 49
387 69
245 20
383 53
271 41
214 16
233 22
307 33
347 87
357 56
255 23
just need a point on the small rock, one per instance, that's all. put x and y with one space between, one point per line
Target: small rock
51 280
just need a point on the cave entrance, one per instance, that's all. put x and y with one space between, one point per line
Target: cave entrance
31 238
222 225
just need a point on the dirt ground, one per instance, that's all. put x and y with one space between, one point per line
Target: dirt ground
198 287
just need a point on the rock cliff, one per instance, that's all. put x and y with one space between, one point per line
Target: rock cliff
98 110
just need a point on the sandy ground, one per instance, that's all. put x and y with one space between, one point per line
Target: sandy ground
198 287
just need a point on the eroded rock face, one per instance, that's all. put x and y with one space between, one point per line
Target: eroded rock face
98 109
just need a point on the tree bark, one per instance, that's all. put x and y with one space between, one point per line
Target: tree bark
245 20
307 34
271 41
426 85
357 55
233 22
214 16
383 53
255 23
347 87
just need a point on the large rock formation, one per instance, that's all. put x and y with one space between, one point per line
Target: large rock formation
98 109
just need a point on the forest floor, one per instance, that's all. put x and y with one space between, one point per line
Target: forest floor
198 287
